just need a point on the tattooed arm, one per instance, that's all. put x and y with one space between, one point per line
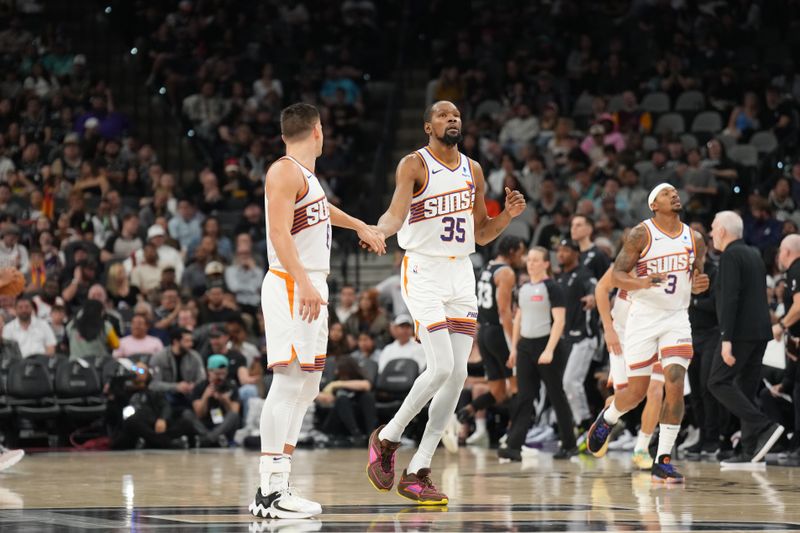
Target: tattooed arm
626 260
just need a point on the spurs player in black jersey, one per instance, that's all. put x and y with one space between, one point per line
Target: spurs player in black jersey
495 286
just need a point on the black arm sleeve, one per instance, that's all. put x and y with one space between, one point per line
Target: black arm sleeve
555 293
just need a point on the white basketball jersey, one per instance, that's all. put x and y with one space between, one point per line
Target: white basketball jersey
311 228
440 221
671 256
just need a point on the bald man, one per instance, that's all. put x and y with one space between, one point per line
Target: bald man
744 323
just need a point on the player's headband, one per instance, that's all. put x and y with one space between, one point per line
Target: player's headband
657 189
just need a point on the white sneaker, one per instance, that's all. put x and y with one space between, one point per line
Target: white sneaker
9 458
283 504
692 438
527 451
450 435
480 437
625 441
503 440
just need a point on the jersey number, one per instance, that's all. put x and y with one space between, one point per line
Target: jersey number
453 229
485 299
672 282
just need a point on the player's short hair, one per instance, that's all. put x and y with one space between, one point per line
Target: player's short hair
508 244
589 220
298 120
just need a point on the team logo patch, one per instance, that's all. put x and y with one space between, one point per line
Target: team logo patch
537 298
472 315
684 341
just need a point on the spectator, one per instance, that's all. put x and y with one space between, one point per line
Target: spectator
267 89
244 277
120 246
369 317
12 253
238 340
354 413
520 130
402 347
214 310
138 342
630 117
744 120
224 246
177 369
152 420
167 255
346 305
186 225
761 229
780 199
206 110
32 335
238 368
170 306
146 275
9 349
366 349
591 257
215 404
90 334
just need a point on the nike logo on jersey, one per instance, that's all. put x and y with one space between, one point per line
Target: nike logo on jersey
436 171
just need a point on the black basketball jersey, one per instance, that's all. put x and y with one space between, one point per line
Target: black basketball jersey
487 294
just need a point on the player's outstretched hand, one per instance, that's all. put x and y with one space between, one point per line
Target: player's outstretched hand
700 283
373 239
310 302
515 202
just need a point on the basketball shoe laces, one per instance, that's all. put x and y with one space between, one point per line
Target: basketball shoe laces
426 482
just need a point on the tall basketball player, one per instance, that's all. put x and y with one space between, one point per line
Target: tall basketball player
293 299
438 209
495 286
666 254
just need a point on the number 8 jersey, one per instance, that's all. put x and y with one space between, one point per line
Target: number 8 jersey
440 221
671 257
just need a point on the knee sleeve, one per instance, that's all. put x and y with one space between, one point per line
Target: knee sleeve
285 396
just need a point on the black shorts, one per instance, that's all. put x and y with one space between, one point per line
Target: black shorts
494 352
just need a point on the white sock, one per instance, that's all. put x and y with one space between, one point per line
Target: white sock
642 441
666 438
391 432
480 425
274 470
612 414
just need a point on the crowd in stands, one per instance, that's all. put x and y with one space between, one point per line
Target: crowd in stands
127 261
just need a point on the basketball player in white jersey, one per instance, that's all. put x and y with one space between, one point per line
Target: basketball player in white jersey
665 255
614 322
439 214
294 301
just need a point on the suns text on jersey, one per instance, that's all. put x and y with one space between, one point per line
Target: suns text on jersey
679 262
451 202
311 214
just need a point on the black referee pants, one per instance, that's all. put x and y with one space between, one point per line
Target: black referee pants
530 375
735 387
706 408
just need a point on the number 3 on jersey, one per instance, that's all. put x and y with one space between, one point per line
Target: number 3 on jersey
454 229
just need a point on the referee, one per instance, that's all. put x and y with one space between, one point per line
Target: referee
744 325
540 356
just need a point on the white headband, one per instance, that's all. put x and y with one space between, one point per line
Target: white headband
657 189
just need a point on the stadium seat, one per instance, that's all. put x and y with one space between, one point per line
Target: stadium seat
690 101
30 390
670 123
643 167
727 141
689 141
649 143
655 102
79 391
490 108
583 105
370 369
517 228
764 141
744 154
393 385
6 360
708 122
615 103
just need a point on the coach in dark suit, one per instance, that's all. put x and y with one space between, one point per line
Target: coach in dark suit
745 330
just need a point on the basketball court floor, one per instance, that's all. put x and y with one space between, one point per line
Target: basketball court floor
209 491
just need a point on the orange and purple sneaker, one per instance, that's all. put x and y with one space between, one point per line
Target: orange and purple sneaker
380 469
420 489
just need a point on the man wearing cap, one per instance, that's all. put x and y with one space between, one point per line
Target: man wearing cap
68 165
238 370
146 275
578 283
186 225
12 253
167 255
215 404
402 348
